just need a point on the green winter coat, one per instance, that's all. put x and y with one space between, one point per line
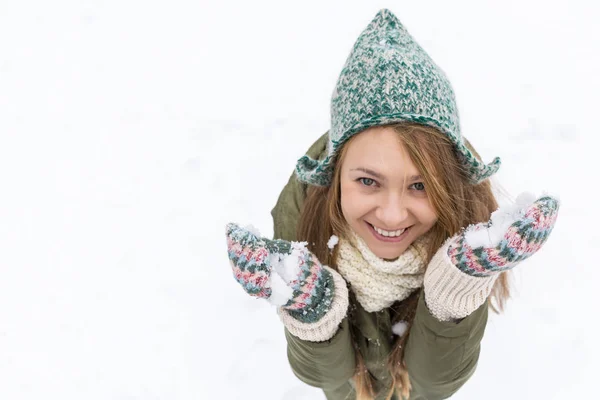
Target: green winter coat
440 356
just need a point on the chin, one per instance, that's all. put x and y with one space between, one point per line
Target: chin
388 254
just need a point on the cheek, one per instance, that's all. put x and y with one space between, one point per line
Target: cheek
426 214
352 202
346 201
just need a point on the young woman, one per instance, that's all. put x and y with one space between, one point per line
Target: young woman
398 307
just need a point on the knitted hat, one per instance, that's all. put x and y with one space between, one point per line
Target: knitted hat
389 78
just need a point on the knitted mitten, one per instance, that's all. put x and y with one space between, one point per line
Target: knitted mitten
285 273
462 273
476 252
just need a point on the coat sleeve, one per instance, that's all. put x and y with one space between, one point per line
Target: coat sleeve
441 356
331 363
327 365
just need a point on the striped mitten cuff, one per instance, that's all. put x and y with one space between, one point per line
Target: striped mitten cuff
325 327
450 294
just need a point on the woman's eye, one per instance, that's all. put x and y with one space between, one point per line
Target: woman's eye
420 186
367 181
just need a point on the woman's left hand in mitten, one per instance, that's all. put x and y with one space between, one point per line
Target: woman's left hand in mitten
462 273
510 237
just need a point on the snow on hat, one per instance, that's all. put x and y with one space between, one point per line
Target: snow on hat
389 78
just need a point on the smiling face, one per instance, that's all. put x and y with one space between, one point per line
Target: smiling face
383 197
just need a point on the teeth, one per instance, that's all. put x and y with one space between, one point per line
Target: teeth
388 233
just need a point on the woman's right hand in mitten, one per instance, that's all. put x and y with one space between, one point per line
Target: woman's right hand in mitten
285 273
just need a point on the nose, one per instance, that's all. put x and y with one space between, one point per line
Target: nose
393 211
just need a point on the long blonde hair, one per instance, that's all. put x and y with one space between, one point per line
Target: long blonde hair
457 204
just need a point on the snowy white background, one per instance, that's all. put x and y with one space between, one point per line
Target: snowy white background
132 131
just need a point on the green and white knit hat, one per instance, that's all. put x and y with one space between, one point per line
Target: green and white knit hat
389 78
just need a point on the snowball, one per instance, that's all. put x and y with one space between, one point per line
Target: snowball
274 260
287 265
253 230
478 238
501 220
525 199
281 293
333 240
399 328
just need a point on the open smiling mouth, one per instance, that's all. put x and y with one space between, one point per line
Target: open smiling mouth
390 239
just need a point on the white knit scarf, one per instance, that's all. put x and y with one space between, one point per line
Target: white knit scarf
377 283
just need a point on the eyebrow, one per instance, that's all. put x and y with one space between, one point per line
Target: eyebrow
381 177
